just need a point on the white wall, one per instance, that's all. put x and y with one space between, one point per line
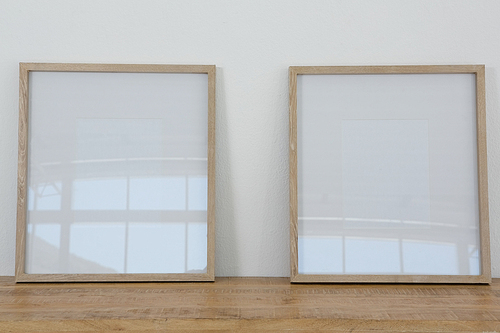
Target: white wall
252 42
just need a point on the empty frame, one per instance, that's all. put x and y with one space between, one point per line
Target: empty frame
116 173
388 174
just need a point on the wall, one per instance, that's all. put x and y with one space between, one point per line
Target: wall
252 43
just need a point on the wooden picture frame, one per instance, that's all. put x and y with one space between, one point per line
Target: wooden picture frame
388 174
116 173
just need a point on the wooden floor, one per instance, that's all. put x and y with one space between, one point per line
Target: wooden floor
247 305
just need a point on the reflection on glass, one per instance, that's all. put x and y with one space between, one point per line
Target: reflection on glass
158 240
474 264
100 246
100 194
49 233
348 255
167 193
430 258
320 255
197 247
379 190
197 193
371 256
178 245
158 193
43 241
112 193
45 196
171 248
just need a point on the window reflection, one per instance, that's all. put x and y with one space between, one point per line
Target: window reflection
122 205
103 240
333 246
371 256
197 247
160 241
100 244
430 258
197 193
372 201
320 255
474 260
45 196
100 194
157 193
167 193
42 241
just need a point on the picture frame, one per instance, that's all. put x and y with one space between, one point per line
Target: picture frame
116 173
388 174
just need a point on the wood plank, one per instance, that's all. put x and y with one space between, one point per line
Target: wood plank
111 68
417 69
294 223
482 170
231 325
247 305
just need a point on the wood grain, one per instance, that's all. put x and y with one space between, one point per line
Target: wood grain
422 69
248 304
22 169
211 175
25 69
294 233
124 68
479 71
482 169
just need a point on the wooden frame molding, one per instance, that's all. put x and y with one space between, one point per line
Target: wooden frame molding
23 163
482 177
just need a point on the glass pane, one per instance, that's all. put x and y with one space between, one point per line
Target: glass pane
117 173
387 174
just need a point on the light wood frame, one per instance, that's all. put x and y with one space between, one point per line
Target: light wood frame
484 236
24 123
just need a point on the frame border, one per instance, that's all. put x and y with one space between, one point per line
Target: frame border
484 235
24 70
